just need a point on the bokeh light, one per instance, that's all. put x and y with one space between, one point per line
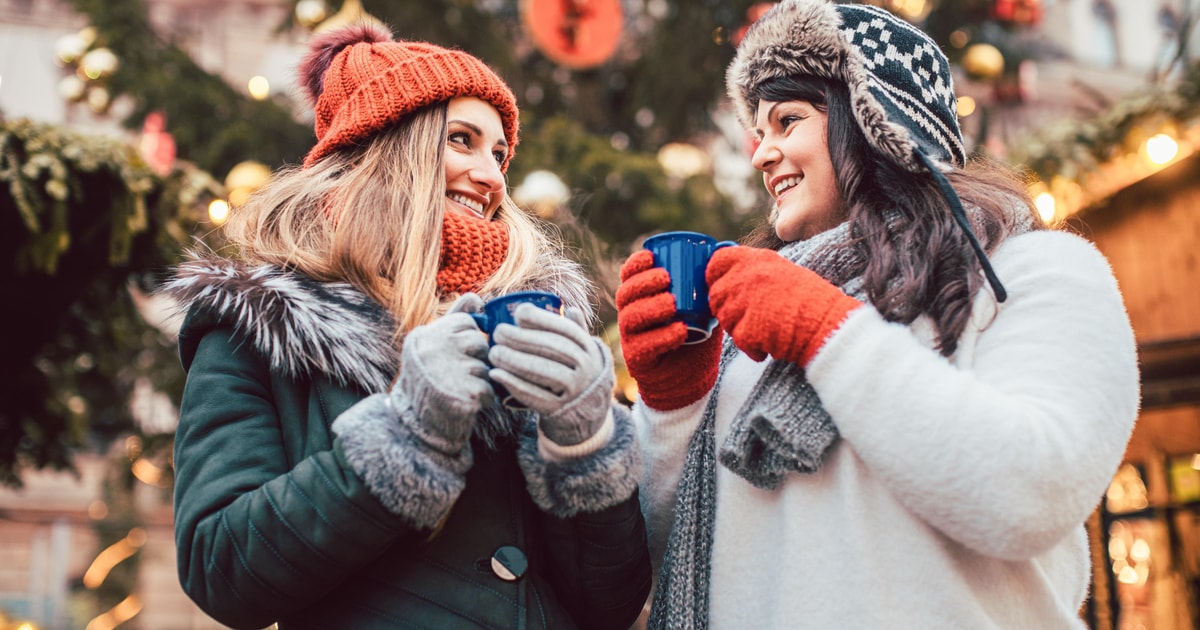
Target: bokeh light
218 211
258 87
1161 148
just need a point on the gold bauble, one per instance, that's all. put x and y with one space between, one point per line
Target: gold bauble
983 62
310 13
98 63
351 12
248 175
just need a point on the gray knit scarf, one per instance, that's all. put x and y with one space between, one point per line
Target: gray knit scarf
782 427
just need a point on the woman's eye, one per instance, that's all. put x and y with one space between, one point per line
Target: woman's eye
499 156
459 137
788 121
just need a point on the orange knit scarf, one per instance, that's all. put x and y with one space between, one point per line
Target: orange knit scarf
472 250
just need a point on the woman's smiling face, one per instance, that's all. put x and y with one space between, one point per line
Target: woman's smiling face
793 155
475 149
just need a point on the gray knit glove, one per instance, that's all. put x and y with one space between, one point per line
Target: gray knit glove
443 376
553 366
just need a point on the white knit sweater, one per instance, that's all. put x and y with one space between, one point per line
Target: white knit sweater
957 495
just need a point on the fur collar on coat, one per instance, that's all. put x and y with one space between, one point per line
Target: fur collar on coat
306 327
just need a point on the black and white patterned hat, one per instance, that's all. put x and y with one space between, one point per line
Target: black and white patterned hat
900 85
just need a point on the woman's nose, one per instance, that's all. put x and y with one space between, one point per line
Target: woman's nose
765 155
486 173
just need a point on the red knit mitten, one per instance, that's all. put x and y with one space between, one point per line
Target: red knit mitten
669 374
771 306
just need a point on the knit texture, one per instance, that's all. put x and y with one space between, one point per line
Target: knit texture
361 82
772 307
472 250
682 591
782 428
669 374
900 84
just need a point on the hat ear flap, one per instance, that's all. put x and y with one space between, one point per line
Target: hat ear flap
326 46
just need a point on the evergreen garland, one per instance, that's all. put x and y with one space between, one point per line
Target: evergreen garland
1072 148
81 219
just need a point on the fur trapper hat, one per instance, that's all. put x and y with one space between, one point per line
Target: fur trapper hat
360 81
900 85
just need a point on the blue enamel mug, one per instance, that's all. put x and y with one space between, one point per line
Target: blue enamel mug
500 311
685 256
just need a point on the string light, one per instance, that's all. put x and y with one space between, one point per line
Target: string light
147 473
911 10
1161 148
1046 205
218 211
258 87
125 610
966 106
113 555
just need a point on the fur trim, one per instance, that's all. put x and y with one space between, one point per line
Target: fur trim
588 484
305 327
808 37
411 479
324 47
302 326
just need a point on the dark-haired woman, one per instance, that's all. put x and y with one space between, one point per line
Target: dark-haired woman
919 393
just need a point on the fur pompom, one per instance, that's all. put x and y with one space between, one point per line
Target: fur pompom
326 46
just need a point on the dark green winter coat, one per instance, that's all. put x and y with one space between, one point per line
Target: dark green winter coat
274 524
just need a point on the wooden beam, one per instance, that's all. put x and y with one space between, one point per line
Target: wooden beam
1170 372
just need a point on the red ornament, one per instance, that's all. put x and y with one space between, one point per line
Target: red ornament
755 11
1022 12
575 33
156 144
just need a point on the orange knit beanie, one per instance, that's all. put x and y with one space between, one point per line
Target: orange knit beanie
360 81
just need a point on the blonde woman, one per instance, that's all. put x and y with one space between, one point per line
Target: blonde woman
341 459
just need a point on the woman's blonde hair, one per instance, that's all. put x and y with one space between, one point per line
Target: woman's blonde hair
372 216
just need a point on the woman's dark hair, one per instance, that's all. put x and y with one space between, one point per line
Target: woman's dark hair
914 259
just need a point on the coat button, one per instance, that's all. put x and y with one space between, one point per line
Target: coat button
509 563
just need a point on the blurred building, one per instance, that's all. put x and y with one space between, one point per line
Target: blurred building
1148 528
1143 213
51 554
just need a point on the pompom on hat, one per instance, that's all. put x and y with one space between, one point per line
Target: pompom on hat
360 81
900 85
